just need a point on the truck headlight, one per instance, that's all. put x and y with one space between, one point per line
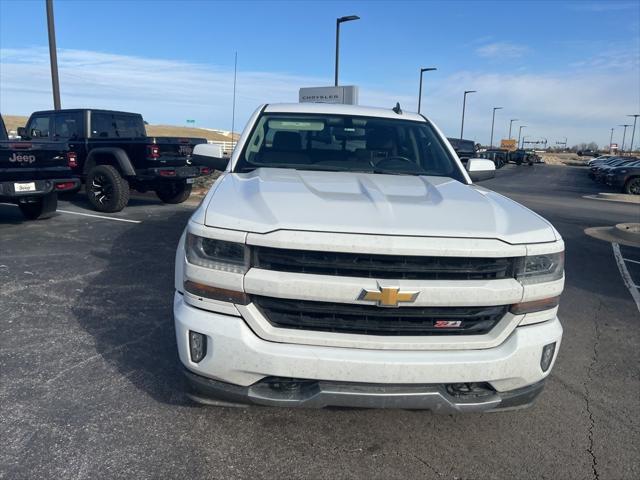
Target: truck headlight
540 268
217 254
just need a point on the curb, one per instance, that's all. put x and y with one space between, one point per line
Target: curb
623 233
615 197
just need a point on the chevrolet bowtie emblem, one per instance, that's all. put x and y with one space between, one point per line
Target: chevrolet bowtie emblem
388 296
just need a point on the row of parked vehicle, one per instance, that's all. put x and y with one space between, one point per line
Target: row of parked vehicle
107 151
467 149
621 173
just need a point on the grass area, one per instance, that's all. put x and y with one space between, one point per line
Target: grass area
12 123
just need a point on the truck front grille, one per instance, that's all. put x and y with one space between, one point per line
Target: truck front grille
382 266
372 320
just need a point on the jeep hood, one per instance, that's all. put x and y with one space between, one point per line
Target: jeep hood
269 199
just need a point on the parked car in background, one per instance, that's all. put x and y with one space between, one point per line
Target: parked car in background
32 174
625 178
601 158
587 153
345 258
115 154
596 172
499 156
465 149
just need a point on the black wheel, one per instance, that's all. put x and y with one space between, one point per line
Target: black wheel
106 189
40 208
632 187
174 192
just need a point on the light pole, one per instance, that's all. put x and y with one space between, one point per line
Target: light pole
493 120
53 56
464 104
633 132
611 141
523 140
422 70
520 133
338 22
510 124
624 134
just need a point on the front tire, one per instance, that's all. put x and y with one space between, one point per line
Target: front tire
106 189
632 187
174 192
41 208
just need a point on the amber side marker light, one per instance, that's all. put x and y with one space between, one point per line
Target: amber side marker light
215 293
534 306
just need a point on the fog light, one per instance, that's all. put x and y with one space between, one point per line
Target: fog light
547 356
197 346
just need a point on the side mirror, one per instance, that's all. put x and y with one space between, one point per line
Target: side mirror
209 155
481 169
22 132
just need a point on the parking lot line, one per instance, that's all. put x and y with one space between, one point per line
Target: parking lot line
626 276
631 261
86 214
100 216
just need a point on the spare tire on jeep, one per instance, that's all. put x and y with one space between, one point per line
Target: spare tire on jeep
107 191
174 192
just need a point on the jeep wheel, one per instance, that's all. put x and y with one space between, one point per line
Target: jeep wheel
174 192
632 187
40 208
106 189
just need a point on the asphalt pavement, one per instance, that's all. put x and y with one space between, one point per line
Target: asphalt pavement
91 385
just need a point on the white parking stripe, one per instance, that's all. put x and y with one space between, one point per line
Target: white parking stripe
100 216
631 261
85 214
626 276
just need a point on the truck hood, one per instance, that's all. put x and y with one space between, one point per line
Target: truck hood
269 199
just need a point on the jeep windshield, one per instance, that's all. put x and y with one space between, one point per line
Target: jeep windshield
347 144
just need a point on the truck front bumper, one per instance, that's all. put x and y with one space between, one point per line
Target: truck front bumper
241 367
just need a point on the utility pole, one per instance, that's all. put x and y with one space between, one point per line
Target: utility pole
422 70
510 124
464 104
493 120
53 56
624 134
633 133
338 22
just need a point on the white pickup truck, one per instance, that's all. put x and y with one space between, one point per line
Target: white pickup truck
345 258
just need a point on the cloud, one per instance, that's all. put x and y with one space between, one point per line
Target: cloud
500 50
580 103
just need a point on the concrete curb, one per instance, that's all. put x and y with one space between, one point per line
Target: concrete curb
615 197
623 233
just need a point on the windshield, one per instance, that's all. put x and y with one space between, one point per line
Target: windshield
347 143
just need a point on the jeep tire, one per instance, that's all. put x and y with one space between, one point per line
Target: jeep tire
40 208
174 192
106 190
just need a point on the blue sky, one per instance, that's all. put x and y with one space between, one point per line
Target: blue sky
565 68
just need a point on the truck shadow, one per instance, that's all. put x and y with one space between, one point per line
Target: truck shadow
127 308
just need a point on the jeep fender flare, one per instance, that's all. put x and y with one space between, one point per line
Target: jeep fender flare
118 154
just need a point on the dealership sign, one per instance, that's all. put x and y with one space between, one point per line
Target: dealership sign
346 95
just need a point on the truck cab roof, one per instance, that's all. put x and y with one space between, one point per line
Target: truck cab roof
339 109
81 110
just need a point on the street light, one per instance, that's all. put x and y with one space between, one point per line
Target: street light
624 134
520 133
338 22
523 140
493 119
53 56
464 104
633 133
611 141
422 70
510 124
